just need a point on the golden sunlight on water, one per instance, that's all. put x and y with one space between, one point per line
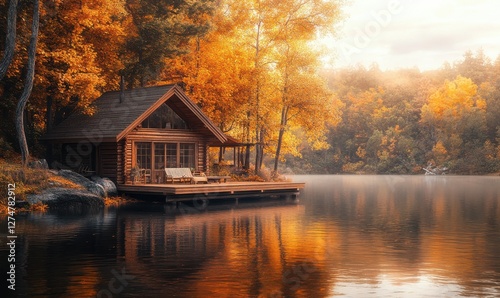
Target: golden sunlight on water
352 236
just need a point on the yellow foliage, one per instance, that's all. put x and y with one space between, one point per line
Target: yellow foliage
439 148
481 104
453 100
361 152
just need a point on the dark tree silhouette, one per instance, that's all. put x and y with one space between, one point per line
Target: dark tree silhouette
28 85
10 39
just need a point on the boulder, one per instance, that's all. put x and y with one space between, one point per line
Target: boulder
90 186
96 189
108 185
67 200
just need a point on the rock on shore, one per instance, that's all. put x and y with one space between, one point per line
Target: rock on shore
68 200
91 197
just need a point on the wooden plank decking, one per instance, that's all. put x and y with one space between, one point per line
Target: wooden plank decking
213 190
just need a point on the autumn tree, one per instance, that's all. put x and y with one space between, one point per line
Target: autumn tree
457 115
379 131
80 44
216 71
226 70
275 26
300 89
77 59
160 30
261 38
236 72
305 100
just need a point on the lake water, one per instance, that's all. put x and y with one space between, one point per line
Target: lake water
351 236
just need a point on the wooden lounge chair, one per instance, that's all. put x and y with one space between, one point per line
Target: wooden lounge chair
183 175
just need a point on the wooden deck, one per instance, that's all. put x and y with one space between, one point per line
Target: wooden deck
179 192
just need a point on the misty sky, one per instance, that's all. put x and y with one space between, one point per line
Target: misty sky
405 33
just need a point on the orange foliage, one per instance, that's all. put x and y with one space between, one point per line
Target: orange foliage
88 50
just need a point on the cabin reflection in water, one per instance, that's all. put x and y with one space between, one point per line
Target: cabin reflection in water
250 252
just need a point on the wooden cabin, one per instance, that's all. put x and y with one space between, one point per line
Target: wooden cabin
141 130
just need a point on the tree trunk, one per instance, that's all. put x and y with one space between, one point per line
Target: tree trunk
28 85
221 154
258 154
258 129
247 158
278 151
283 123
10 39
259 151
258 132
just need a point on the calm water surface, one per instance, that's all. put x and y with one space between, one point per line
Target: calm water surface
352 236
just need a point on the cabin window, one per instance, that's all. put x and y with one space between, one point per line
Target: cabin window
165 118
144 155
159 156
165 155
186 155
171 155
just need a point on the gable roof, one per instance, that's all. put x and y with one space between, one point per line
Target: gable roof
115 118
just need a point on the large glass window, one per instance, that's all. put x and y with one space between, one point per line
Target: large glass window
164 117
154 157
171 155
144 155
167 155
159 156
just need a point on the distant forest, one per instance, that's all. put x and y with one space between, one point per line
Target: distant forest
400 121
254 70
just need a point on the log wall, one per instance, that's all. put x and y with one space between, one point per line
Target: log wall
108 161
127 160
